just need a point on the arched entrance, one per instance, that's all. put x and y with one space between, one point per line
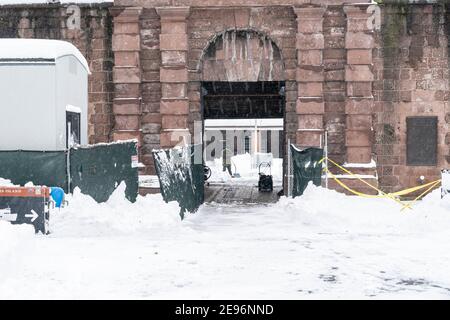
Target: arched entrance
243 111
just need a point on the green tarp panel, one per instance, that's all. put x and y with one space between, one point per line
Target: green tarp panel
42 168
180 174
97 170
306 168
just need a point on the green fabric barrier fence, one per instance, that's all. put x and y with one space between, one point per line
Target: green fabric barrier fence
97 170
40 167
306 168
181 177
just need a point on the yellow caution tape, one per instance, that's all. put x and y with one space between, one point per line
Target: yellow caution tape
394 195
414 189
436 183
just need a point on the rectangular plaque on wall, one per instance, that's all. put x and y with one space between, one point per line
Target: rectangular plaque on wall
421 141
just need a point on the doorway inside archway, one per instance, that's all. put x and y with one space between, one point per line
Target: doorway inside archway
243 108
243 140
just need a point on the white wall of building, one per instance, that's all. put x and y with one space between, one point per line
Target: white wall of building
71 89
236 131
39 79
27 106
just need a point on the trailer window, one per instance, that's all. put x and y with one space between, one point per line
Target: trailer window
72 128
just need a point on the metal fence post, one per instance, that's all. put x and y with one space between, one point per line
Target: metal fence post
69 182
289 170
69 145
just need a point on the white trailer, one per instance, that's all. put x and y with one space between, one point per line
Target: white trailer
43 95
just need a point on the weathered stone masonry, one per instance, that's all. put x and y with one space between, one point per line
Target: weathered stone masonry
89 28
411 79
347 71
323 87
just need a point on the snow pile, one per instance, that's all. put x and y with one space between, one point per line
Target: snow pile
242 164
321 245
217 173
5 183
318 210
277 168
330 211
84 217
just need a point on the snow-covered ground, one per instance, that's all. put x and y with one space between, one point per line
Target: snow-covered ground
320 245
242 164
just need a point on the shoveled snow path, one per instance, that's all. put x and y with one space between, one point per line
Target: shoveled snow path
229 252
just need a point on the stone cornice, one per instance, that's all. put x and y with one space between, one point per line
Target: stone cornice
357 11
309 12
173 13
126 13
231 3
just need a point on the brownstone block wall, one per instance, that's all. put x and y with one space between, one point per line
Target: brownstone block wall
278 23
150 59
334 60
411 79
89 28
341 75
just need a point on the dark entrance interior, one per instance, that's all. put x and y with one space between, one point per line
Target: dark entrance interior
254 113
243 100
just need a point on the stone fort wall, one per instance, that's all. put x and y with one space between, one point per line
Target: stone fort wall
355 70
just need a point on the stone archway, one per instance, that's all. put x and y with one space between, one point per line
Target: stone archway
242 82
249 64
242 55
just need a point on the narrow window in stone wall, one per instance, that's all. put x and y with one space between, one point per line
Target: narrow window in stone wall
421 141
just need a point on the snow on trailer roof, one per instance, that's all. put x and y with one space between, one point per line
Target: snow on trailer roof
38 49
